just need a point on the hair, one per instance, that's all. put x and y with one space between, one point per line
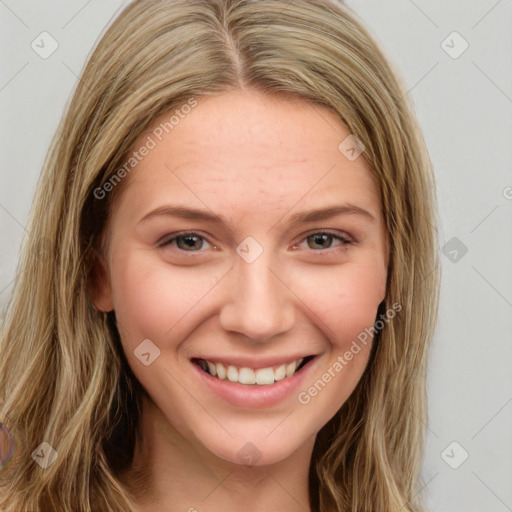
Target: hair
63 377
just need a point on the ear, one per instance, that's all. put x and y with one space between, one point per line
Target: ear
100 288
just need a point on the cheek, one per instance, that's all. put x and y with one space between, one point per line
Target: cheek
359 297
346 298
152 298
348 311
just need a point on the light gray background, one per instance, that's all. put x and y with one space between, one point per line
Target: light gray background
464 106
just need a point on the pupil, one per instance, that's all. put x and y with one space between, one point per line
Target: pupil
190 241
318 239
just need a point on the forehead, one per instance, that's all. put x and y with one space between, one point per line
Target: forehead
246 147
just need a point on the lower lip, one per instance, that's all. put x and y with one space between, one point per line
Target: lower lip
255 396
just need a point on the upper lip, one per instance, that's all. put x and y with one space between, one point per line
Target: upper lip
253 362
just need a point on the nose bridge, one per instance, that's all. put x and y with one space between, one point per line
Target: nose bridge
259 304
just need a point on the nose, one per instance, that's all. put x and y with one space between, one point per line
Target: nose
260 304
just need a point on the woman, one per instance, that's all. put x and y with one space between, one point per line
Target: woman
193 344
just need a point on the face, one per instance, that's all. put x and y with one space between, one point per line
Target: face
246 255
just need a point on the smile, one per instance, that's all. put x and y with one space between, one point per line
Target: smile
250 376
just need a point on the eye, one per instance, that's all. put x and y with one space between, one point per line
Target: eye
187 241
324 240
191 241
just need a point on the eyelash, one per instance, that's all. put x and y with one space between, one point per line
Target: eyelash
345 241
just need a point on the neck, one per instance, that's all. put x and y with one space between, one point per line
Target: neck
169 472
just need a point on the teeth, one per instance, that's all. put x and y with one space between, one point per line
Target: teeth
221 371
232 373
290 368
246 376
280 373
212 368
249 376
265 376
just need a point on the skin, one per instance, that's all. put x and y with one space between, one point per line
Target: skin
257 161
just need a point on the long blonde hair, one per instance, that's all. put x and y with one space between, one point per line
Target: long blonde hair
63 377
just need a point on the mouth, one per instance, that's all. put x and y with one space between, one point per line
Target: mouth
252 376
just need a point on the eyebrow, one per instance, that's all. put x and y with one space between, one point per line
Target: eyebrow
315 215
